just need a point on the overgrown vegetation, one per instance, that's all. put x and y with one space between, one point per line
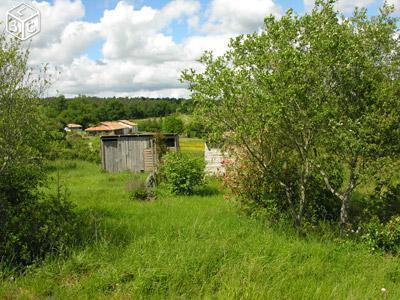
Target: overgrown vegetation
87 110
74 146
182 173
308 109
32 223
193 247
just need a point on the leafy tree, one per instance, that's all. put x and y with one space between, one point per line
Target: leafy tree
31 223
150 125
195 129
172 124
87 110
305 98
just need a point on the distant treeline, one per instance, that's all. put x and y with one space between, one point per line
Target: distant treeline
86 110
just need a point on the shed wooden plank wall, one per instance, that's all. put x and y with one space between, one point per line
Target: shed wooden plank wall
124 154
131 153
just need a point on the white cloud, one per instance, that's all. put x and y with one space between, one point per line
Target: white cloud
139 58
62 35
74 40
349 5
344 5
137 34
55 18
396 4
226 16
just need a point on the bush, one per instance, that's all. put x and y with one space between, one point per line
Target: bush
172 124
76 147
32 223
35 226
150 125
380 236
182 173
383 204
195 129
261 195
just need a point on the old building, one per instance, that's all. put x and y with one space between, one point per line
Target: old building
134 152
113 127
73 127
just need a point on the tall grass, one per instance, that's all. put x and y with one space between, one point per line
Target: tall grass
194 247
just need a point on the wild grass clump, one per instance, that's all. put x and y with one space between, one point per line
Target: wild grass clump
193 247
138 191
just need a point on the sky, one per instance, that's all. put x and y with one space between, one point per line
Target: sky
140 47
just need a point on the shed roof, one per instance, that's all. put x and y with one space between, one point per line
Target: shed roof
128 122
111 125
138 134
74 125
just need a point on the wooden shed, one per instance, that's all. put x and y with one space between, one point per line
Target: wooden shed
133 152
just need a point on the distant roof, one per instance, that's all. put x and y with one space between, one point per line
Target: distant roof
128 122
74 125
138 134
112 125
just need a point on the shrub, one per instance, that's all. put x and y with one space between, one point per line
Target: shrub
172 124
76 147
261 195
380 236
150 125
195 129
32 223
35 226
383 204
182 173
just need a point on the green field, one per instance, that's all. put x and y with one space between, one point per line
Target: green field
192 146
194 247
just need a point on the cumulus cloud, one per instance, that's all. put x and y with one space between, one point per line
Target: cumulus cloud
139 55
396 4
226 16
344 5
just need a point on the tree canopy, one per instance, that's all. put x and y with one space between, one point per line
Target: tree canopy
311 102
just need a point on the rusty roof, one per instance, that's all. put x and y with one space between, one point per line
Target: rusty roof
111 126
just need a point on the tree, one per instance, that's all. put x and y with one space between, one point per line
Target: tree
363 80
31 223
172 124
282 93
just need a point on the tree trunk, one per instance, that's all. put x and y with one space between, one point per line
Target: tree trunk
344 211
346 196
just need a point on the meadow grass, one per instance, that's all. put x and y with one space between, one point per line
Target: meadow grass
194 247
193 146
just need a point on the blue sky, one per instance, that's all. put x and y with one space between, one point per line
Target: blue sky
179 30
140 47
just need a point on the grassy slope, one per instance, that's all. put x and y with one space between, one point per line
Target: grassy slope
192 247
